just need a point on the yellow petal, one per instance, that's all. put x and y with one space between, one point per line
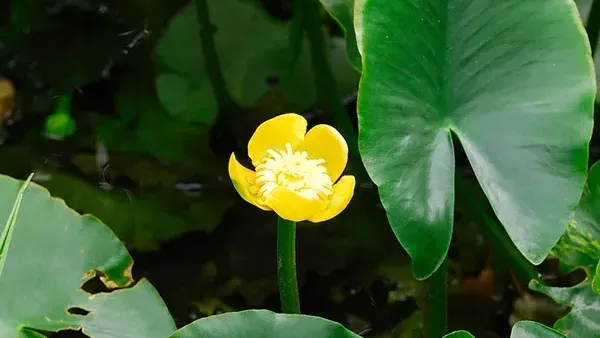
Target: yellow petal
242 179
293 207
323 141
275 133
342 194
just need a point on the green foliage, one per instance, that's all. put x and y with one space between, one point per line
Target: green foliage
343 12
522 329
481 79
146 221
247 61
51 254
510 79
264 324
528 329
579 247
459 334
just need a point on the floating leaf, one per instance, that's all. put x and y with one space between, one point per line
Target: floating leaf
253 50
459 334
145 221
264 324
522 329
529 329
517 93
52 253
145 127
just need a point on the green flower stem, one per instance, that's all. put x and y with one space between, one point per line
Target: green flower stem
436 307
327 87
286 266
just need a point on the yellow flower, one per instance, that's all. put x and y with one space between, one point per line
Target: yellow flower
295 173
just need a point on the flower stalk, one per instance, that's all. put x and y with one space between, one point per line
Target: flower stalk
286 266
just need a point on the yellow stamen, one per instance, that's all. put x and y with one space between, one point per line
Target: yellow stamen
293 170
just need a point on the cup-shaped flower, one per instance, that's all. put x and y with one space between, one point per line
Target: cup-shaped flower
295 172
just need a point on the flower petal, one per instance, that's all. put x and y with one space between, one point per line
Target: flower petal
293 207
242 179
275 133
325 142
342 194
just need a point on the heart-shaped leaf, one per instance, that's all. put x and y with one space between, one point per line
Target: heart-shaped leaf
512 80
51 253
264 324
579 247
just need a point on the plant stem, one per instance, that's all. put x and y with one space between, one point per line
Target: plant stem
327 88
593 25
286 266
436 307
211 58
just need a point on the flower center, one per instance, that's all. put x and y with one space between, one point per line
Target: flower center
295 171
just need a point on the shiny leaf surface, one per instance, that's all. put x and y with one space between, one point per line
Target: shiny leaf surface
579 247
517 93
522 329
263 324
459 334
53 251
529 329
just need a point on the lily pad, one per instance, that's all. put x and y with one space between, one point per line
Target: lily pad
145 127
52 253
253 50
516 92
263 324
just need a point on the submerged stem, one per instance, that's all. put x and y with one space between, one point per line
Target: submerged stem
436 308
286 266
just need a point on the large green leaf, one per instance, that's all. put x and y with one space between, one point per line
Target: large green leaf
529 329
512 80
522 329
263 324
53 251
579 247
